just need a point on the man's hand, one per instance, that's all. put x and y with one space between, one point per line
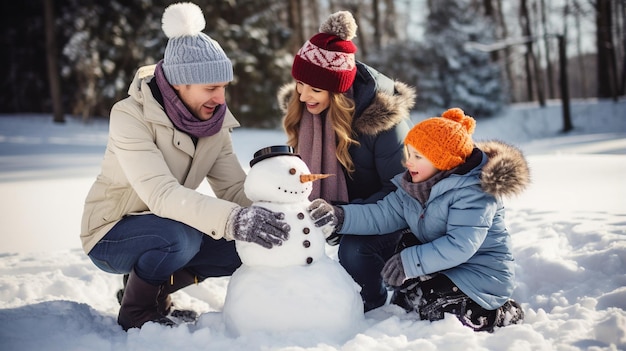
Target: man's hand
258 225
393 271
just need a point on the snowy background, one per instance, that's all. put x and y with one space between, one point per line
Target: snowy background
568 230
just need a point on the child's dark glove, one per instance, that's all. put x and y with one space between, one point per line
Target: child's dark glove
257 225
393 271
334 238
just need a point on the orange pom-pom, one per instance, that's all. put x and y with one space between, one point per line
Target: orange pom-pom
457 115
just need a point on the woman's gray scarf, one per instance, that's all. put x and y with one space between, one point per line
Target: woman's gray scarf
317 137
180 115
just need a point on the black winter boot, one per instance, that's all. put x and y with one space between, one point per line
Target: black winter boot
139 304
509 313
437 296
481 319
120 293
476 317
406 296
178 280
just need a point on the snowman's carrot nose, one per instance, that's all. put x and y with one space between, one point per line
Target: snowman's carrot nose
313 177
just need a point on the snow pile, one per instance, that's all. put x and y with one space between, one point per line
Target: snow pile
568 231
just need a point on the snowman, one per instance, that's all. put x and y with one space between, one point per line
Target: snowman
295 287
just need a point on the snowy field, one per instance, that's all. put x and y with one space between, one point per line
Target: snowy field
568 230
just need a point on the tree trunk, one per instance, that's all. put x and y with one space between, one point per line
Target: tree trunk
377 31
503 34
524 19
390 20
51 56
579 50
536 59
360 33
491 13
310 14
622 13
607 77
295 23
546 32
563 81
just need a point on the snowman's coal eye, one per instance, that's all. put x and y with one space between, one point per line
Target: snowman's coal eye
292 171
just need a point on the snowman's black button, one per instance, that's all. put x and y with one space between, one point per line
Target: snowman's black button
306 243
309 260
306 230
300 215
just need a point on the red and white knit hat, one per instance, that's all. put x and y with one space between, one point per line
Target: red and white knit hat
326 61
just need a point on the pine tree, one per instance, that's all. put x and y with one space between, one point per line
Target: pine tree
453 74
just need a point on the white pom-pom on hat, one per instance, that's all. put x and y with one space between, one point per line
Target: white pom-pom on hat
182 19
341 24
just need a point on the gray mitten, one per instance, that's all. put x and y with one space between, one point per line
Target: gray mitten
393 271
334 238
323 216
258 225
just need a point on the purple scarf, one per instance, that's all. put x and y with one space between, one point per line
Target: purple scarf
316 146
178 113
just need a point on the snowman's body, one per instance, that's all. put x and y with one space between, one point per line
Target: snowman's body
305 243
297 286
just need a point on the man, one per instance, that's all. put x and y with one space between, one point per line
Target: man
142 216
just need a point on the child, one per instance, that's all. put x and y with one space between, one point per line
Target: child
457 256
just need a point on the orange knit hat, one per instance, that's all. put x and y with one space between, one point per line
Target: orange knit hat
445 141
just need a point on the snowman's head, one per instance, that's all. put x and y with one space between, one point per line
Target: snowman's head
281 179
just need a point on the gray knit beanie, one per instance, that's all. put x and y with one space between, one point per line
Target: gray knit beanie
192 57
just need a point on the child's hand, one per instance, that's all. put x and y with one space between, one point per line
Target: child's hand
393 271
323 215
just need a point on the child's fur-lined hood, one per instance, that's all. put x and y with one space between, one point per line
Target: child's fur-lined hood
506 173
382 114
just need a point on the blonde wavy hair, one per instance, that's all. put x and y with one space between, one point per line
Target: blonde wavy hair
340 114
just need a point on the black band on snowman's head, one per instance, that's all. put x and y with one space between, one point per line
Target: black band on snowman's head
271 151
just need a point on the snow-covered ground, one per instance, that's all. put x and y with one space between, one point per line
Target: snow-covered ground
568 229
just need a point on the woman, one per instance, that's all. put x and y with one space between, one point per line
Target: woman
347 119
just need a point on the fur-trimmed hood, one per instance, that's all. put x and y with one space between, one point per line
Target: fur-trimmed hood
506 173
382 114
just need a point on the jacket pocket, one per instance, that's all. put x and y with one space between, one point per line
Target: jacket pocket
110 208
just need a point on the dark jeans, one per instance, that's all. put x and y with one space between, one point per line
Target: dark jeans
363 257
157 247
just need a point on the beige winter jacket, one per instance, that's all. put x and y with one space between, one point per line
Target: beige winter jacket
151 167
